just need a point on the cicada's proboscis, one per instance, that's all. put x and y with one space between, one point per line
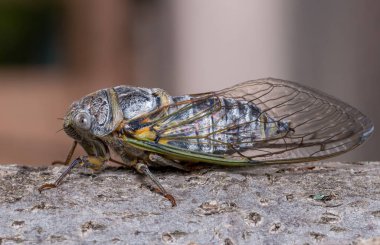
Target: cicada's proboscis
264 121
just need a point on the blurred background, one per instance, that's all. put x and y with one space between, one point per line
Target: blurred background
54 52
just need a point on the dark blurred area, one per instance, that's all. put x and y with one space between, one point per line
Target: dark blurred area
54 52
36 44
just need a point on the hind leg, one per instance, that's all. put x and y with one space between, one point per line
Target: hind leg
142 168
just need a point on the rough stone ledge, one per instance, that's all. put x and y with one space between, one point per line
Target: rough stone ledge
324 203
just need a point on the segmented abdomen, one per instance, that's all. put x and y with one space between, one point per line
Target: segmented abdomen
217 125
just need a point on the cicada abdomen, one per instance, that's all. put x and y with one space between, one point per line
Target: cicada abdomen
219 126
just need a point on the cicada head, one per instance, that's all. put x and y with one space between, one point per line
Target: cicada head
93 116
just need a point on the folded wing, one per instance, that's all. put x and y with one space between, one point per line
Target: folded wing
267 120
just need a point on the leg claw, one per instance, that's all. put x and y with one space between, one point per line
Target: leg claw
171 199
46 186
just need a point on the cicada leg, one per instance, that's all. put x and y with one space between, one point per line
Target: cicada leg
92 162
143 169
162 161
69 156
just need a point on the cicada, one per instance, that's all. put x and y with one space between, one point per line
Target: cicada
266 121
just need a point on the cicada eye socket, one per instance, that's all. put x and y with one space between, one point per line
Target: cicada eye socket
83 121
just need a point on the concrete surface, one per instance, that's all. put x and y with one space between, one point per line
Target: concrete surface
314 203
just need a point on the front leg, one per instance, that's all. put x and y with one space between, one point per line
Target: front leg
69 155
95 163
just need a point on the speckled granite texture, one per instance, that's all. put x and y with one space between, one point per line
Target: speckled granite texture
324 203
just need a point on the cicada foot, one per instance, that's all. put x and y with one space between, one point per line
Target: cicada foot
171 199
46 186
143 169
92 162
166 195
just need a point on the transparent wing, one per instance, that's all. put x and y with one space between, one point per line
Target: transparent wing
267 120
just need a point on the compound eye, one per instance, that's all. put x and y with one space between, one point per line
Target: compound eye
83 120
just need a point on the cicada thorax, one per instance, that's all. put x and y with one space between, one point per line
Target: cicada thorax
134 102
